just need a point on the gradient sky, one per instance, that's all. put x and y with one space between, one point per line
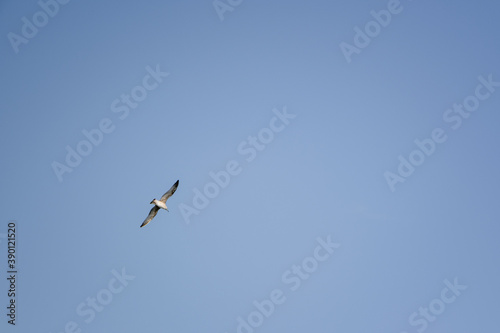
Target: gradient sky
321 175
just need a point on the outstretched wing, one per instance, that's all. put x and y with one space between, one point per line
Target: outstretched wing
169 192
152 213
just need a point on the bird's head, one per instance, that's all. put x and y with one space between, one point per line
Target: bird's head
153 201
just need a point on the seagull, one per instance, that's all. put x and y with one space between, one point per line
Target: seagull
160 204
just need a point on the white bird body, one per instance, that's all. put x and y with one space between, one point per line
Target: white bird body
162 203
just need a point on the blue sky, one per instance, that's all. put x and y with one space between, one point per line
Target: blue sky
339 223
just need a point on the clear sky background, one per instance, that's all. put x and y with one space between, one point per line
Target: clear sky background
322 175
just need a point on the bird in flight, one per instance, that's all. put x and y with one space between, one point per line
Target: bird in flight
160 204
